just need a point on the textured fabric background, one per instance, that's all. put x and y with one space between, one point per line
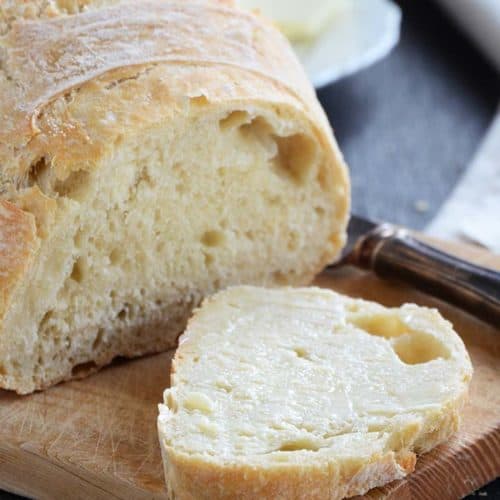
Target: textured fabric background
410 125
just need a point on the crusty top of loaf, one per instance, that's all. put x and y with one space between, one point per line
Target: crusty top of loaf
47 57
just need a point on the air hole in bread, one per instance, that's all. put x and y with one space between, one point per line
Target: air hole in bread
258 130
277 427
74 186
180 188
412 347
78 271
171 402
377 427
250 235
160 246
143 177
80 239
199 100
46 318
197 401
221 172
305 427
299 445
381 325
335 433
98 339
224 386
419 347
245 433
38 173
116 256
209 259
208 429
280 278
213 238
301 352
234 119
83 369
295 158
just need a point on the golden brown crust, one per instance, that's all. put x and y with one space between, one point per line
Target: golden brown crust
65 53
43 209
196 479
18 245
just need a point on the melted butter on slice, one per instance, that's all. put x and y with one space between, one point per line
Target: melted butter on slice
293 371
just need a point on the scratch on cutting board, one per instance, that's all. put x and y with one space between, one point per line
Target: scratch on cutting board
115 444
28 416
97 444
62 430
60 466
146 458
11 416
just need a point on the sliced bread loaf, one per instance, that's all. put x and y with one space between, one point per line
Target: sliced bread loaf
306 394
151 153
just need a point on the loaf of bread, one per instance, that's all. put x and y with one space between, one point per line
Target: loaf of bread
306 394
151 153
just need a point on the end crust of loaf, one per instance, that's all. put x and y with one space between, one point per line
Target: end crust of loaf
306 394
141 173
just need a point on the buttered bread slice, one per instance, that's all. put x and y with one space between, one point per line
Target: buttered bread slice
305 393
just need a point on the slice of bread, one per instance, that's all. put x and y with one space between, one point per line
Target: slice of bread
151 153
305 393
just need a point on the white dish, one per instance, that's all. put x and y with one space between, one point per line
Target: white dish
359 35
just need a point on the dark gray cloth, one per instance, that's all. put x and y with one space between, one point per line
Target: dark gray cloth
410 125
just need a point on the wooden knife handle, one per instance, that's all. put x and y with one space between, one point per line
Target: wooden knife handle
392 252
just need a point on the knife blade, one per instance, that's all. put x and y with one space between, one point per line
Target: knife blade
393 252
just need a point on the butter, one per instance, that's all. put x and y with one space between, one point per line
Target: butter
299 20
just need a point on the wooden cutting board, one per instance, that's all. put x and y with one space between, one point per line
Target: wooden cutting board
96 438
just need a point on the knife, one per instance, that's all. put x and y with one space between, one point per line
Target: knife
393 253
